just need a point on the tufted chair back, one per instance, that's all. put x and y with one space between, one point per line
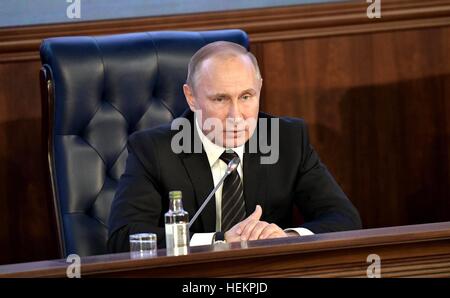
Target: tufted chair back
96 92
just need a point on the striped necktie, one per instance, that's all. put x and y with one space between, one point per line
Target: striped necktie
233 204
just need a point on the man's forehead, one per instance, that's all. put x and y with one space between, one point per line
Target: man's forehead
211 64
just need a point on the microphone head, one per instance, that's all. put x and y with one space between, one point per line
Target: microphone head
233 164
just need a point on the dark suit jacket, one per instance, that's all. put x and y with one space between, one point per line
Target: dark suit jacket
299 177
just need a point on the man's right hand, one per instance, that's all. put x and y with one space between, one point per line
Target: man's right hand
251 222
248 229
252 228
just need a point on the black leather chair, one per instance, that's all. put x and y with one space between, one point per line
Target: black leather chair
96 92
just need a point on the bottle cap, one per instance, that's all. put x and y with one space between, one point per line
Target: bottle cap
175 194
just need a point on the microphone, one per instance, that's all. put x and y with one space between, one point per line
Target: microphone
232 165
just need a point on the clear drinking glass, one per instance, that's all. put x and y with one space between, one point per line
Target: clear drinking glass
143 245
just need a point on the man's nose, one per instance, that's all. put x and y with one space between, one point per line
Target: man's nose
234 111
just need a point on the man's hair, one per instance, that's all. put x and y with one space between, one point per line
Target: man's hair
223 49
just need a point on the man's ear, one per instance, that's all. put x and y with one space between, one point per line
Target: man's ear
189 94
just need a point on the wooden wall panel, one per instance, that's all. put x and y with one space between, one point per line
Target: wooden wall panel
377 106
26 218
375 93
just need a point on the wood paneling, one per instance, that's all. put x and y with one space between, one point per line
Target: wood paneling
26 215
411 251
377 106
373 91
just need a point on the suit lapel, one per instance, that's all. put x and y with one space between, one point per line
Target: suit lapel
255 179
199 172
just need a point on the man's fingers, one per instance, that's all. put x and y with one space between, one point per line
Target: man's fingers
268 230
248 229
231 237
254 235
256 215
277 234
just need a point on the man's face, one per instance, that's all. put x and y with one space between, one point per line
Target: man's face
226 92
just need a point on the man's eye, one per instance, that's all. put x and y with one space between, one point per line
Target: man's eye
219 99
246 97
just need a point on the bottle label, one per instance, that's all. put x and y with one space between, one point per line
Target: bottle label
169 236
180 236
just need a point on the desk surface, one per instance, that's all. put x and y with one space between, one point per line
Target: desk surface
416 251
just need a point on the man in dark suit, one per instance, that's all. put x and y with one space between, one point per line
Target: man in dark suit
256 200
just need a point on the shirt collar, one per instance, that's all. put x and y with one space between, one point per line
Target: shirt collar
214 151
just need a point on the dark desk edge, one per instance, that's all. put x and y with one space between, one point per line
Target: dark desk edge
280 246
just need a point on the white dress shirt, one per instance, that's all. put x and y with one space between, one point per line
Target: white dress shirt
218 169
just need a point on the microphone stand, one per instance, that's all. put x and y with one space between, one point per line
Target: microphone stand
232 165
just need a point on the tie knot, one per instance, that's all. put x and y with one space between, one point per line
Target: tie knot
227 156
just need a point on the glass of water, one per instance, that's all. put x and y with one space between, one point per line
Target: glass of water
143 245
